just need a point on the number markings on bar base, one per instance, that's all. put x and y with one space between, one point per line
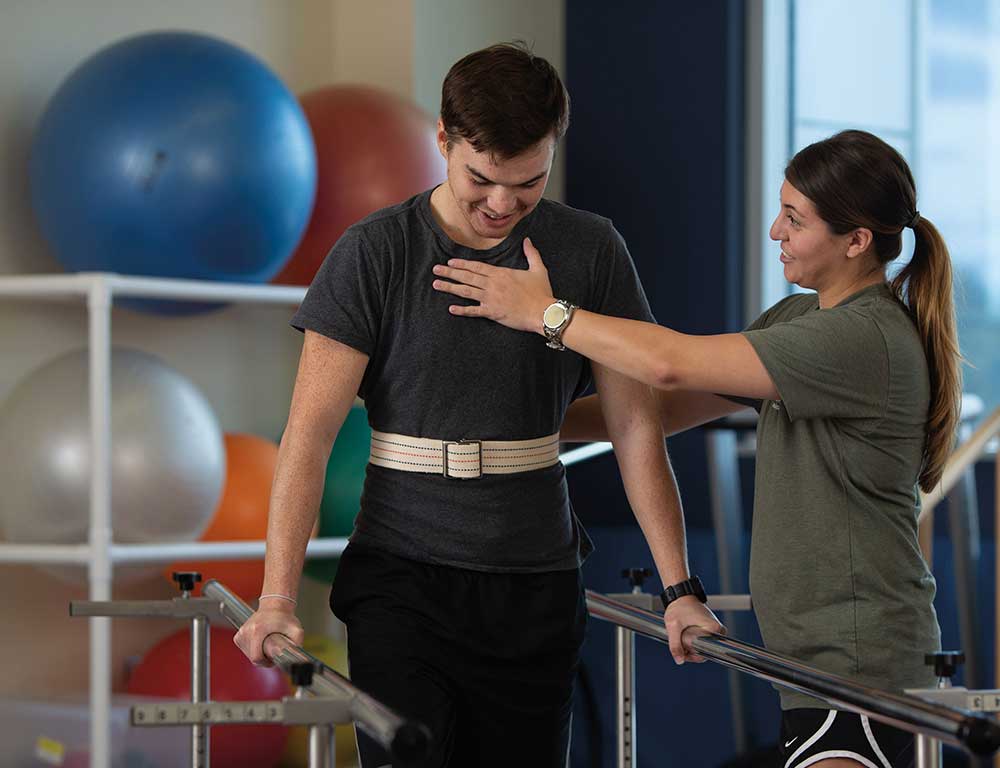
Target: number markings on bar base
187 713
961 697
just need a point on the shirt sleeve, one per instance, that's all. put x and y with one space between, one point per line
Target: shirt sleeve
830 363
617 289
346 298
762 321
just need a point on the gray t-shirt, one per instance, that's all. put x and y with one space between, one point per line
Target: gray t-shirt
836 572
431 374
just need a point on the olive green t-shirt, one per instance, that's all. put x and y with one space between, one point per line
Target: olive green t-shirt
836 573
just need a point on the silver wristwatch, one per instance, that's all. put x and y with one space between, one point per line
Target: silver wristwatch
554 321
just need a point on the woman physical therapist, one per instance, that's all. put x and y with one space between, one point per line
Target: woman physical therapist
858 387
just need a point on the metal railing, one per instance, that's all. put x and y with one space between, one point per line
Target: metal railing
959 463
975 733
960 460
323 696
402 738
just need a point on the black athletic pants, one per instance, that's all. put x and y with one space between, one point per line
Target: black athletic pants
485 660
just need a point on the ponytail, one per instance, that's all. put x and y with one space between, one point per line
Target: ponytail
925 287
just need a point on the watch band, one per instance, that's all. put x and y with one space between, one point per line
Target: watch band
690 586
553 336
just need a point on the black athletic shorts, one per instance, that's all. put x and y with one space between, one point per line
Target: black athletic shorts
485 660
811 735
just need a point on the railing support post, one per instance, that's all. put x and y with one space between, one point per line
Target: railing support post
625 684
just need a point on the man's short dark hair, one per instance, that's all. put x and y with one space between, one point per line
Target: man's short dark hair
504 100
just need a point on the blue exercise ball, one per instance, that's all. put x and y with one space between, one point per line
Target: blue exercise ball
173 154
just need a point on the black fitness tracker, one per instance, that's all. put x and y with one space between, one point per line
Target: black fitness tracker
690 586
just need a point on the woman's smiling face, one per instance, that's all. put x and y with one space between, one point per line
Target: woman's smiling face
813 255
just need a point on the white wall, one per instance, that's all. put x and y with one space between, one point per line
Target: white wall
446 30
373 43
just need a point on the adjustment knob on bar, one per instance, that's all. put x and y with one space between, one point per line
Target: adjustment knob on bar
636 576
945 663
302 673
186 579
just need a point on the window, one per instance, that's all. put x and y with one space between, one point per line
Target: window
923 75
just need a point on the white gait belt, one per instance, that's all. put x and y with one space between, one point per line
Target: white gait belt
463 459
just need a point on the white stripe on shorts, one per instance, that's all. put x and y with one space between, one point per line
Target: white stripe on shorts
812 739
866 724
833 753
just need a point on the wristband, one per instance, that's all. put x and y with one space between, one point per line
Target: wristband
292 600
690 586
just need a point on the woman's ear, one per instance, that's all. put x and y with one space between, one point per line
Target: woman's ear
858 242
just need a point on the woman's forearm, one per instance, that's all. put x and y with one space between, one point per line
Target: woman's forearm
642 351
679 410
724 363
584 422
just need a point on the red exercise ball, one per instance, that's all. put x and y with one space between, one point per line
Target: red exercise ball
373 149
165 670
241 514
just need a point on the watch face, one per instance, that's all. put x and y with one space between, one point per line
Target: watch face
554 315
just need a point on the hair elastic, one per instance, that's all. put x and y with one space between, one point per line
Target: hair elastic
914 220
292 600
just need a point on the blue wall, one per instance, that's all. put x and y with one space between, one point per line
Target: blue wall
655 144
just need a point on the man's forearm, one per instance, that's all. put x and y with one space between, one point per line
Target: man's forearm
630 412
654 498
295 499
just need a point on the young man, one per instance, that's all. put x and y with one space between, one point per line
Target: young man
461 587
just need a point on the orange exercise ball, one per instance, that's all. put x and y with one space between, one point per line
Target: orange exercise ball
373 149
242 513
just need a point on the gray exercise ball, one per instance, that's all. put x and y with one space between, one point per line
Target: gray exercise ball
168 458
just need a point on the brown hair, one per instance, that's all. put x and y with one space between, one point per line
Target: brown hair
856 180
504 100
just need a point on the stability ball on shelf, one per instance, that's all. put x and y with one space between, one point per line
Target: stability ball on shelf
167 455
373 149
345 480
242 513
177 155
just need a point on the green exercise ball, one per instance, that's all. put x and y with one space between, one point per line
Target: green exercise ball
345 479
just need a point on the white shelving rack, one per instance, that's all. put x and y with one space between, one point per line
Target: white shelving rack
100 554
